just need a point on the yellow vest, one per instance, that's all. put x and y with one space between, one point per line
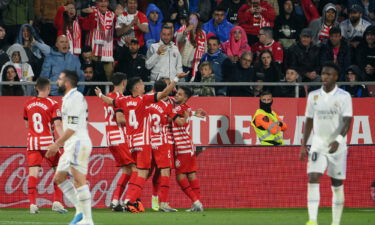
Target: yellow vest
265 135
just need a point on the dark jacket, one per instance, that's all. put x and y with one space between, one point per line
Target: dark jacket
234 72
132 67
364 55
289 91
232 9
302 58
343 58
12 90
272 74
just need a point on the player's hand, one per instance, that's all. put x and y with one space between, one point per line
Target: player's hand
52 150
303 153
200 113
333 147
98 91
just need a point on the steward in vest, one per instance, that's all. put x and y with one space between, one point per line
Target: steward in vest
267 124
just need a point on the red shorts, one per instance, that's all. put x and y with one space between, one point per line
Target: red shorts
122 155
185 163
35 158
162 156
143 156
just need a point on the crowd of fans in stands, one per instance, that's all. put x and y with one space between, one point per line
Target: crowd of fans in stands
215 40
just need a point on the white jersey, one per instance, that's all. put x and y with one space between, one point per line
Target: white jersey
328 110
74 115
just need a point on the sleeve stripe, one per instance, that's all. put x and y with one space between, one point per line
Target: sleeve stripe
56 118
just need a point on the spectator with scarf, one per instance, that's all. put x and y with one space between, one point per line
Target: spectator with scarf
101 23
67 23
155 18
219 25
236 45
191 41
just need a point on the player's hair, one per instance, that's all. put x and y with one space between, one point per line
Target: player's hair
160 85
188 92
334 30
72 77
42 83
132 82
266 92
332 65
214 38
267 31
118 77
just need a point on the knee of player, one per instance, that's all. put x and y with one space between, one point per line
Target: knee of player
314 177
336 183
59 178
165 172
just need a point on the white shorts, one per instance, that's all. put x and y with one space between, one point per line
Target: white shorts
335 164
76 154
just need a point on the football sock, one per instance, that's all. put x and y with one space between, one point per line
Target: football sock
155 184
138 187
31 187
185 186
84 197
121 184
130 190
338 199
57 194
313 198
70 192
196 187
164 188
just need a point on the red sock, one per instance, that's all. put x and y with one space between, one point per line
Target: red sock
196 187
164 188
131 189
185 186
121 184
57 195
135 189
155 183
31 186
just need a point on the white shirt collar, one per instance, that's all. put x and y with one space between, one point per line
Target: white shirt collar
331 92
69 93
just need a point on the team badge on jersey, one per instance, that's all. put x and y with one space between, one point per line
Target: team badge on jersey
73 119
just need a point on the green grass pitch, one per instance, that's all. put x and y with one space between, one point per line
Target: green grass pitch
351 216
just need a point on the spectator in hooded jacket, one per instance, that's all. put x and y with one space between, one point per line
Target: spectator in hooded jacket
155 22
365 54
320 27
236 45
218 25
253 16
354 74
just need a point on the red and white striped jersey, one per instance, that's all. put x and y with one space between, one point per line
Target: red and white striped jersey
159 113
182 140
40 114
115 133
137 118
169 127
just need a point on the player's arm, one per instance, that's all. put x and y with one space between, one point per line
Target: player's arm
58 127
169 88
26 124
180 120
105 99
54 148
309 125
120 117
335 144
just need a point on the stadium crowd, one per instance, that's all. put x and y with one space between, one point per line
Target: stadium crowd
214 40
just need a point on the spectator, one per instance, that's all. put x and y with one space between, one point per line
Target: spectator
355 26
321 26
179 9
208 76
304 56
241 71
163 58
34 47
232 7
192 43
4 45
218 25
205 10
45 11
87 58
132 63
131 24
60 60
90 75
354 74
215 56
266 41
365 54
267 70
368 7
275 5
306 9
100 22
9 73
253 16
336 49
15 14
236 45
291 76
288 25
155 18
67 23
19 59
164 6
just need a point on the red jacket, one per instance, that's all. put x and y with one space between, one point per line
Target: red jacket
275 47
310 11
250 23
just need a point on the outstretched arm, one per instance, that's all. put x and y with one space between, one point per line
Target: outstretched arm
105 99
171 85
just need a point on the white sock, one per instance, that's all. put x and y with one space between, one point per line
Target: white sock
313 198
84 197
337 203
70 192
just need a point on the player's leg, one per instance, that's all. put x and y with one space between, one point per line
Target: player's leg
194 183
165 174
155 187
34 160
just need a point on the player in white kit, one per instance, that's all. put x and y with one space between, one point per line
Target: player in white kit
329 113
77 148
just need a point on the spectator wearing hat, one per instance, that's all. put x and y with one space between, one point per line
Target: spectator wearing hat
132 63
355 26
304 56
219 25
365 54
354 74
320 27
